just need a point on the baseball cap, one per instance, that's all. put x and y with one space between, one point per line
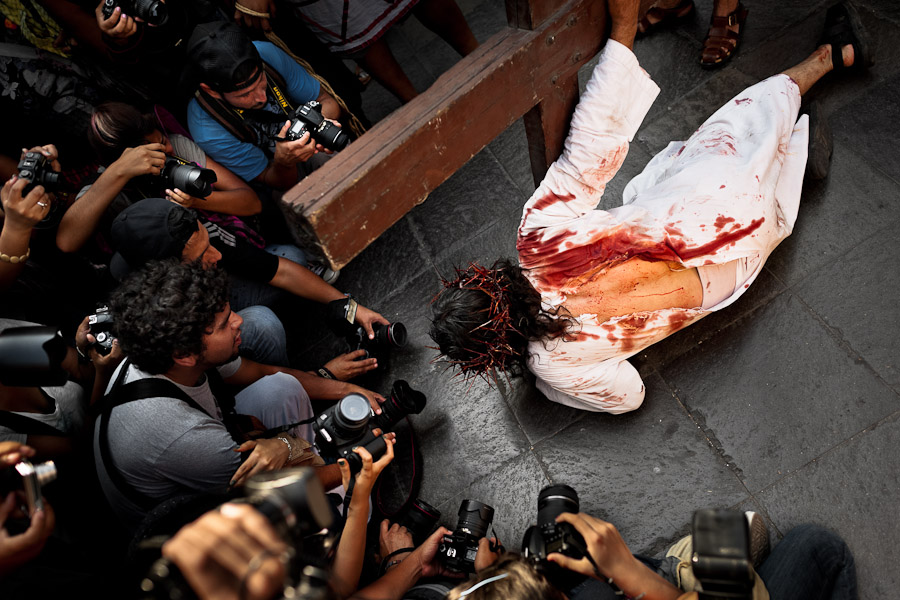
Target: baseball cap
151 229
221 55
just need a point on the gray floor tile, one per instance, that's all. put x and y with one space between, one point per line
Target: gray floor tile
776 390
853 299
539 418
510 148
613 461
853 491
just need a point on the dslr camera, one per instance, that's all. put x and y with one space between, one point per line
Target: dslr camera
721 554
308 117
153 12
100 324
457 550
187 177
342 314
35 167
350 422
548 536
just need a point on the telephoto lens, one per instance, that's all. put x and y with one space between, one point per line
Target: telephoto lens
474 518
548 536
420 520
403 401
458 550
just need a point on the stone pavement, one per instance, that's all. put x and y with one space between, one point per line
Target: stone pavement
785 403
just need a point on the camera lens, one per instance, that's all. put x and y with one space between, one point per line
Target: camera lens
474 518
403 401
152 11
420 520
390 335
555 500
191 179
351 415
291 499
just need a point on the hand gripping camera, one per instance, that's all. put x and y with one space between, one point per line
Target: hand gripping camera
458 550
308 117
350 422
30 478
548 536
35 167
100 324
188 177
154 12
342 314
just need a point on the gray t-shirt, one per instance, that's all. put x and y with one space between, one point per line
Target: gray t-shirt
163 447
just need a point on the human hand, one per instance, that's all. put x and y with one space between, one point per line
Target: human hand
227 552
265 455
427 555
251 21
366 318
368 474
118 26
184 199
148 159
49 152
604 544
13 452
486 555
350 365
393 537
320 147
23 213
16 550
290 153
375 400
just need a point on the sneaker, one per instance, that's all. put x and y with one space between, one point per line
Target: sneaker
327 274
759 538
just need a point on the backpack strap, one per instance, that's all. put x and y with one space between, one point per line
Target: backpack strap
22 424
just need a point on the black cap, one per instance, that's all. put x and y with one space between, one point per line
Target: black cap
152 229
221 55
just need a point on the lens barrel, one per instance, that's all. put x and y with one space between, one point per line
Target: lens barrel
555 500
393 335
403 401
474 518
351 415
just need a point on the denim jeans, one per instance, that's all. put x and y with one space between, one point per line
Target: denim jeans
810 563
246 293
262 337
277 400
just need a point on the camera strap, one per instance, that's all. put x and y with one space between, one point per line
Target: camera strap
22 424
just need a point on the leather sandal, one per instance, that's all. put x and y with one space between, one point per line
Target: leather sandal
721 43
843 26
664 16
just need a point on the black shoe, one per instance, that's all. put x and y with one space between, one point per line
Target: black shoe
821 143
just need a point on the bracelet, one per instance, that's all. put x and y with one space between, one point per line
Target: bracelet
323 372
387 565
290 446
249 11
15 259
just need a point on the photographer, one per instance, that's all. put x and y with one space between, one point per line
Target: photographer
136 146
176 327
247 92
20 215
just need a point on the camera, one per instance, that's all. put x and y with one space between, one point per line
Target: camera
548 536
342 314
308 117
721 554
100 324
350 422
458 550
35 167
32 356
32 478
420 520
154 12
187 177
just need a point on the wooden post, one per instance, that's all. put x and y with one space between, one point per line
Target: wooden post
371 184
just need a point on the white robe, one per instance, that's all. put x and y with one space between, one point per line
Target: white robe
731 191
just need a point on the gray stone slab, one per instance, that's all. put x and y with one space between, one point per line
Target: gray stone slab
511 489
510 148
539 417
776 390
857 298
495 242
853 491
854 201
628 468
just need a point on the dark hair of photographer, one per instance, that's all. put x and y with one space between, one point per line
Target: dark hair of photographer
510 577
461 310
164 311
116 126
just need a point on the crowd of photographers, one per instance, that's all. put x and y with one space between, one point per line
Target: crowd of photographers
145 270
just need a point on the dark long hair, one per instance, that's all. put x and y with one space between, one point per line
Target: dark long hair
490 323
116 126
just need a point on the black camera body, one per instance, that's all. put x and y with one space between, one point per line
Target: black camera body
35 167
153 12
100 324
342 314
457 550
308 117
548 536
188 177
721 554
350 422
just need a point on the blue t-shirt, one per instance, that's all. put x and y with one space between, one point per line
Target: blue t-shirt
245 159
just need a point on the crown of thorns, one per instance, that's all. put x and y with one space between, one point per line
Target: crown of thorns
489 349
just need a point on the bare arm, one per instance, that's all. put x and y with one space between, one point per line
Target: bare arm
330 107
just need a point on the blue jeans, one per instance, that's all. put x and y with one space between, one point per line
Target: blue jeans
246 293
277 400
262 337
810 563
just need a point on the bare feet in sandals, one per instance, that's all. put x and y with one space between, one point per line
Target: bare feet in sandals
724 36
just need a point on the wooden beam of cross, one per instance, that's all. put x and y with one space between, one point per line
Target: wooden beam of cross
530 68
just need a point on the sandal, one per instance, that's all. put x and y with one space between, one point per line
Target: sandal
664 16
721 43
843 26
821 143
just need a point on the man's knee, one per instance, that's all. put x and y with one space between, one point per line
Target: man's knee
290 252
264 338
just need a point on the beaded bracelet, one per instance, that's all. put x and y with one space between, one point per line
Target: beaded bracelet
15 259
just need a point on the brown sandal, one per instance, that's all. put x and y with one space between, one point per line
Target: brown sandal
664 16
721 43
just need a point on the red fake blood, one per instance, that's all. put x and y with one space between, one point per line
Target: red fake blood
678 320
722 221
722 187
583 336
743 101
627 328
608 167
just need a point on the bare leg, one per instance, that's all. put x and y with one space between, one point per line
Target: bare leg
444 18
379 61
816 66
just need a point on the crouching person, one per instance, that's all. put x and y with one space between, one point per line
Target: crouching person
169 424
